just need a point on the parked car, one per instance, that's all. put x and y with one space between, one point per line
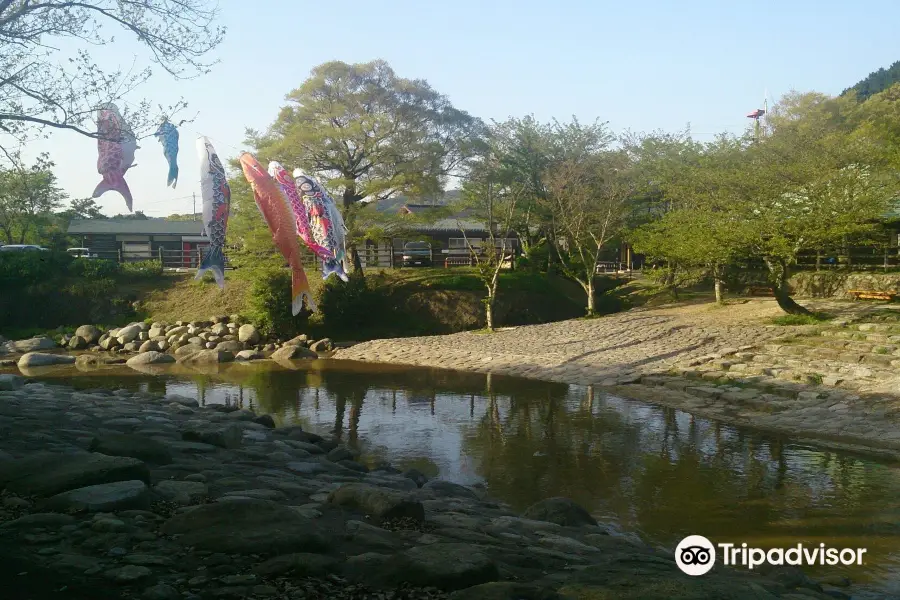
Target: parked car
80 253
21 248
416 254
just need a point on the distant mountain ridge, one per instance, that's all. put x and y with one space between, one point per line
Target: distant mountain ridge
877 81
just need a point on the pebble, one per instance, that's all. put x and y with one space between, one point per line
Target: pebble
128 573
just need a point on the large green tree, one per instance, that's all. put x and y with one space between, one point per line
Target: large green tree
41 87
28 197
369 135
815 181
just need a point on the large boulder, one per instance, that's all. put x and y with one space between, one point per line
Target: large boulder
447 566
219 329
448 488
183 351
128 334
39 359
230 346
323 345
184 493
135 446
90 333
50 474
380 503
104 497
561 511
298 564
151 357
228 436
149 346
245 355
247 526
86 362
176 331
300 340
108 343
31 345
207 357
248 334
9 383
76 342
293 353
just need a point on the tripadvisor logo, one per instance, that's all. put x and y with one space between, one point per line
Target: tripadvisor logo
696 555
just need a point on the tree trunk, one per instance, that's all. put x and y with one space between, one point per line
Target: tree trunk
357 262
779 274
589 289
717 283
818 260
489 311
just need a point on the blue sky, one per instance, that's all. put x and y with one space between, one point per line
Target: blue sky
638 65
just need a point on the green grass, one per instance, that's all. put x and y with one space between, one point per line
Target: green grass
811 319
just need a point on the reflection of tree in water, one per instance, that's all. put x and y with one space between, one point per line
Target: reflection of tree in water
666 474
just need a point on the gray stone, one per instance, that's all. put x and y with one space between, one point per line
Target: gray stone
206 357
248 355
77 343
219 329
293 353
341 453
184 493
150 357
247 526
446 566
228 437
90 333
38 359
323 345
230 346
133 445
50 474
248 334
448 488
128 574
265 421
31 345
184 351
306 468
298 564
86 362
39 520
561 511
108 343
128 334
506 590
149 346
377 502
103 497
161 591
10 383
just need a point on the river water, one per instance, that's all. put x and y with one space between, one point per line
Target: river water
655 472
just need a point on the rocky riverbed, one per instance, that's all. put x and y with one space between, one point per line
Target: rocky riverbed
216 340
144 496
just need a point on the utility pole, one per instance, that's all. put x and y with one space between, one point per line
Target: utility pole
194 214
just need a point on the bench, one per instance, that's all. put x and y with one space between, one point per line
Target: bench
871 295
761 291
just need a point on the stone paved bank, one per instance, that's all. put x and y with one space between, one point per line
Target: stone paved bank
838 382
156 498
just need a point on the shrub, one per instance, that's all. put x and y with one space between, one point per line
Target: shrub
144 269
269 303
20 269
352 305
93 268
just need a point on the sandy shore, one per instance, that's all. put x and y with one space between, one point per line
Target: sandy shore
840 389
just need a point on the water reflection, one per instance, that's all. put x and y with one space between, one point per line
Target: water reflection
659 472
